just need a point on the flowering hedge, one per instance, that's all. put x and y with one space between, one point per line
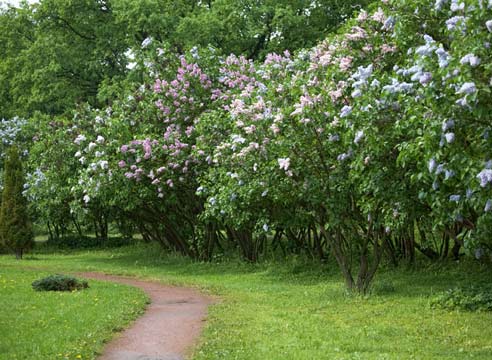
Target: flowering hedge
374 142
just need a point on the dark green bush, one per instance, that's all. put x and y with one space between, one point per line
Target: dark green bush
59 282
473 298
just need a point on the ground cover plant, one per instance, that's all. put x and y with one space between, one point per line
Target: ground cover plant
297 310
60 325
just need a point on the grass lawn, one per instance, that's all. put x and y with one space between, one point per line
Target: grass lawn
60 325
293 310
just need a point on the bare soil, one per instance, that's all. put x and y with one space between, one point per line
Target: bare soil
167 330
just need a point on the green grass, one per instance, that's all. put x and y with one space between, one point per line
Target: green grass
296 310
60 325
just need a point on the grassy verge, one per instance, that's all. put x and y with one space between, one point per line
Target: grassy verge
60 325
294 310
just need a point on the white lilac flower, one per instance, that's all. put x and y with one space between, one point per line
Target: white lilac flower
264 193
79 139
470 59
454 21
485 177
78 154
488 24
448 124
99 154
455 198
488 164
334 138
100 139
488 206
103 164
344 156
212 201
87 198
146 42
346 110
284 163
449 137
358 136
467 88
237 139
91 146
265 227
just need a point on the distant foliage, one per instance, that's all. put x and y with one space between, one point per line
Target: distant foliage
86 242
59 282
471 298
15 226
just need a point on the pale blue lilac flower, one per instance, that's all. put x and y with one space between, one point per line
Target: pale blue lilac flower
448 124
432 165
448 174
356 93
455 198
435 185
485 177
449 137
343 157
454 21
440 169
425 78
488 206
469 193
457 6
439 4
488 24
358 136
389 24
346 110
467 88
470 59
443 57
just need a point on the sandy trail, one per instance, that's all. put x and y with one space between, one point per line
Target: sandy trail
167 330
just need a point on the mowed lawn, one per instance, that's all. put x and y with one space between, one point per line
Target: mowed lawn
60 325
273 310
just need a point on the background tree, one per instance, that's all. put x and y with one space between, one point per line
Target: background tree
15 227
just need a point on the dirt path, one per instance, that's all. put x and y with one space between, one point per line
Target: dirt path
169 327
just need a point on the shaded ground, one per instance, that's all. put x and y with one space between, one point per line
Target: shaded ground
168 329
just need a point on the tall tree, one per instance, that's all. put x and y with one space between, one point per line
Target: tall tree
15 227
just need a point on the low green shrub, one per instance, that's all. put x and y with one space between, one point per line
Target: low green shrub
59 282
86 242
472 298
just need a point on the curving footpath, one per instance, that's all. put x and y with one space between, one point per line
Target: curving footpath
167 330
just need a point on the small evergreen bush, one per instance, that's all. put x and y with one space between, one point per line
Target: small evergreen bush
471 298
59 282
